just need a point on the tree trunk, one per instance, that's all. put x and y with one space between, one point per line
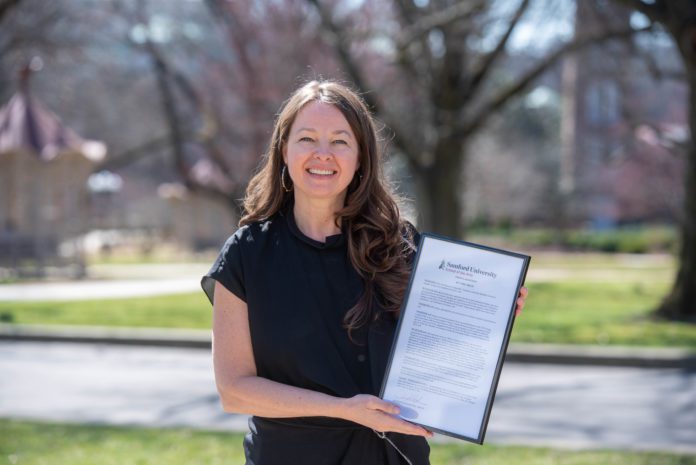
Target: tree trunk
680 303
6 6
440 190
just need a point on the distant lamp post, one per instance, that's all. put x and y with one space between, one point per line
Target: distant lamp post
104 182
103 185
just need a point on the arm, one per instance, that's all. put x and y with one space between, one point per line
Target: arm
242 391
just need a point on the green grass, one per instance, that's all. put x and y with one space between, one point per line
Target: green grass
171 311
599 313
32 443
627 239
556 312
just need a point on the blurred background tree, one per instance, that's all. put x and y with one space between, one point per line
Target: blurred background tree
678 18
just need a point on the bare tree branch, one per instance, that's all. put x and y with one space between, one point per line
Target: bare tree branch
410 12
6 6
477 120
218 10
651 65
177 136
425 24
250 67
205 136
634 121
15 42
168 77
409 15
29 36
171 112
656 10
133 154
486 64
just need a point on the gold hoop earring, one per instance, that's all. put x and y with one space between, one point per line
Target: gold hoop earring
282 179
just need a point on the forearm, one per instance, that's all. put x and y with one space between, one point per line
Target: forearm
254 395
260 396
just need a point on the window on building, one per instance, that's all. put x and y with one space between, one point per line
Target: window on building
602 102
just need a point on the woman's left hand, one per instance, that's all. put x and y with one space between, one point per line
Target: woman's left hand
524 292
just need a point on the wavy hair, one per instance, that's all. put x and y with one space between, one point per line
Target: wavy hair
380 242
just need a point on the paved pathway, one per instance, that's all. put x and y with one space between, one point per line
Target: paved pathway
579 407
92 290
113 281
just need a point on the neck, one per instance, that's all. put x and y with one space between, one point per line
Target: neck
316 219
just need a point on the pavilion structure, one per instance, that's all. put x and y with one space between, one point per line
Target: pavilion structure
44 167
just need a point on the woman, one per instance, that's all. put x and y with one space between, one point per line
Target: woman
306 293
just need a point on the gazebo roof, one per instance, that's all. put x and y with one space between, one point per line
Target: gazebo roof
25 124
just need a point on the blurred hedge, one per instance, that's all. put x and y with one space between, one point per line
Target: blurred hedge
644 239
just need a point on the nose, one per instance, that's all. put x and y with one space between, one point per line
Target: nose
322 153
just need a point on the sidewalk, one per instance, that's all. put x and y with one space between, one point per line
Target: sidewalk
113 282
95 290
643 357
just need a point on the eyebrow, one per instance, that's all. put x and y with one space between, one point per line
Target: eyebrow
340 131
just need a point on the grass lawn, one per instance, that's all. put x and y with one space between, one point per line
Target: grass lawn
171 311
556 312
574 299
31 443
599 313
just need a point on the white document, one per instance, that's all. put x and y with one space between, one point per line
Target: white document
453 333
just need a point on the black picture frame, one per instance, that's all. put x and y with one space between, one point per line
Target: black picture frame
506 337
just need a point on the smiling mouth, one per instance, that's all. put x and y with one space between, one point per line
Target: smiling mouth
317 172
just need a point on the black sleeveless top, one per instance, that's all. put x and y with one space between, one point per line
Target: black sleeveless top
297 291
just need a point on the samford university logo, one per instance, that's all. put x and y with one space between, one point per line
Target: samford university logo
466 270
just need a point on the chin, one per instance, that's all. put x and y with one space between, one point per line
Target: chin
316 194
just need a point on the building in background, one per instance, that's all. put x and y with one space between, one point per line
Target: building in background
614 110
44 167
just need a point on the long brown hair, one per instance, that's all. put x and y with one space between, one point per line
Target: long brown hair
379 241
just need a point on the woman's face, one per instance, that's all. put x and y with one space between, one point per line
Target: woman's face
321 153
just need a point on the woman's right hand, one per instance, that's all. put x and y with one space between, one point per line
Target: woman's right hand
379 415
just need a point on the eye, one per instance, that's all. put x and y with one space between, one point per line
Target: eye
306 139
340 141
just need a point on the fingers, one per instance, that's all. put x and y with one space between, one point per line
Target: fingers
376 403
398 425
524 292
384 412
420 431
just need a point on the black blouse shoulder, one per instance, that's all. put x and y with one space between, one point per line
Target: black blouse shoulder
228 267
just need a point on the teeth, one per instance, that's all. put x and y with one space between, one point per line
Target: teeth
323 172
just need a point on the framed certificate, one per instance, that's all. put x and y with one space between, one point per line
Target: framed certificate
452 336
